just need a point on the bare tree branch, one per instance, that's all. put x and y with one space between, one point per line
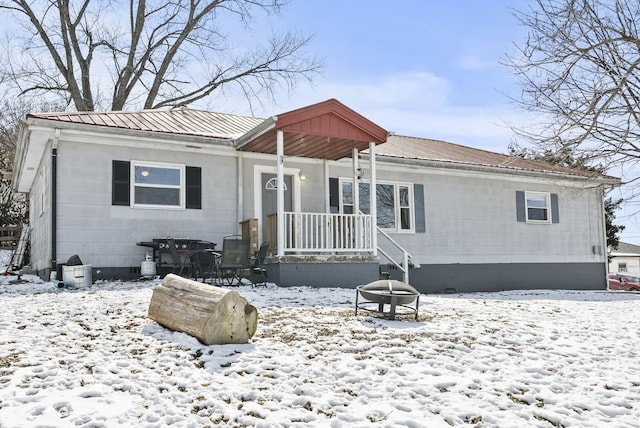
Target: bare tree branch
580 69
151 53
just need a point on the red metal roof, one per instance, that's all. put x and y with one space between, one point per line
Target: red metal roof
327 130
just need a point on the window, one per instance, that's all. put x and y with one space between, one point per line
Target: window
394 203
43 186
405 207
272 184
622 267
538 207
157 185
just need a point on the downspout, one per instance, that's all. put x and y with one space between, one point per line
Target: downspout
54 200
240 204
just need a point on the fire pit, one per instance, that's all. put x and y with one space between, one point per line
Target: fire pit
396 294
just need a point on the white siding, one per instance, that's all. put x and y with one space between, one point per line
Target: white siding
106 235
471 218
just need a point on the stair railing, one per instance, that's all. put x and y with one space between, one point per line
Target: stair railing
404 265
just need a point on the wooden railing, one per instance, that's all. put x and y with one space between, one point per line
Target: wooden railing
322 233
249 229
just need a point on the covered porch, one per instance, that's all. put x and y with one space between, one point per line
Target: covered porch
336 247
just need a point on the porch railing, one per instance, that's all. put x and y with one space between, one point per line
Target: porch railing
322 233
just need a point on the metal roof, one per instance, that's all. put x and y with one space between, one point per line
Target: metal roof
182 121
326 130
625 249
415 148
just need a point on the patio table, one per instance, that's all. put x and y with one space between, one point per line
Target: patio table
192 247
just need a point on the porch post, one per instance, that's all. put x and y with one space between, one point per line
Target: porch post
325 179
373 198
280 190
355 191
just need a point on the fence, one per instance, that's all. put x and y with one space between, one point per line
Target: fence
10 236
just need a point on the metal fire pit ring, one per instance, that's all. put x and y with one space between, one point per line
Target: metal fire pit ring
390 292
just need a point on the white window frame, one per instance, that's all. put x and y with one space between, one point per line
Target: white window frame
43 189
547 196
181 187
396 198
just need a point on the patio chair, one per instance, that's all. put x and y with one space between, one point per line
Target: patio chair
204 263
234 259
178 261
258 272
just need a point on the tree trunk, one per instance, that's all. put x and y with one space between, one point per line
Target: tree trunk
211 314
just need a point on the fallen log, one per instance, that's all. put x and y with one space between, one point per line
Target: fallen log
211 314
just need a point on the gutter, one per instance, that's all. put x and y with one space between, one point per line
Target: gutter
54 200
613 182
83 128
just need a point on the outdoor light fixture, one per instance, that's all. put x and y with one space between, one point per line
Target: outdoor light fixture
359 173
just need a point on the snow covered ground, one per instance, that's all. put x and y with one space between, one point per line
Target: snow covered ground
92 358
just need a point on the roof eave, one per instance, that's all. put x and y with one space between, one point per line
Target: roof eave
174 136
257 131
19 159
604 180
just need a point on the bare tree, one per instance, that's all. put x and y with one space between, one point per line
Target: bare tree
579 70
13 206
110 54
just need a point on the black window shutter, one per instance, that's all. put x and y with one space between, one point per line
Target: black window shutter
120 183
521 208
555 211
419 210
194 187
334 195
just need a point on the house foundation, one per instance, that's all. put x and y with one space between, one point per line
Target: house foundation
323 271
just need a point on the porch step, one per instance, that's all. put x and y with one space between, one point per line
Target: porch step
384 272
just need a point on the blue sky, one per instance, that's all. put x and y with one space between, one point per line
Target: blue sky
422 68
425 68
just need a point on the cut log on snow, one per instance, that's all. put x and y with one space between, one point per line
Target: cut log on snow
211 314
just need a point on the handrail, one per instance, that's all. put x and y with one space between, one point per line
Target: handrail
404 267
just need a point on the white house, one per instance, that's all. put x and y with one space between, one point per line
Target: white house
625 259
450 217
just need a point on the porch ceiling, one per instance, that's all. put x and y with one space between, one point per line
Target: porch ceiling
327 130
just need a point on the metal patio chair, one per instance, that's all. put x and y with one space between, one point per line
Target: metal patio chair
257 272
204 261
234 259
178 261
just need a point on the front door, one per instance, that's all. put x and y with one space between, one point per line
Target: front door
269 200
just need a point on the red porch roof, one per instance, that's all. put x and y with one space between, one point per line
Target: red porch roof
327 130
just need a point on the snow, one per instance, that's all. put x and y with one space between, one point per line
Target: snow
92 358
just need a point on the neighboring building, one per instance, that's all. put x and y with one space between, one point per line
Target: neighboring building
460 218
625 259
